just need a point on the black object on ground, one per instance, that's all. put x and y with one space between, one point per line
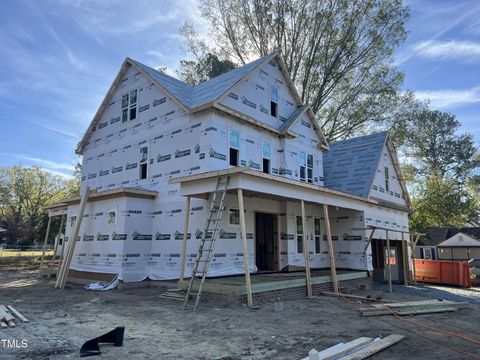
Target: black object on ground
91 347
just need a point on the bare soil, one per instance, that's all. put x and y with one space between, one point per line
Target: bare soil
62 320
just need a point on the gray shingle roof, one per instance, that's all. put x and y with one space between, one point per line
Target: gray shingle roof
195 95
298 111
349 166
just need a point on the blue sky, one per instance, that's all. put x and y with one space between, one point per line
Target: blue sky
59 58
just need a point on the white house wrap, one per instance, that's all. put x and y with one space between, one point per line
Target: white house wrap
154 133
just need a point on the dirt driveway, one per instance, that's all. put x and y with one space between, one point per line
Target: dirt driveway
61 320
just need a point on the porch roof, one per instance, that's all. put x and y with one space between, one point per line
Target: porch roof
104 195
274 186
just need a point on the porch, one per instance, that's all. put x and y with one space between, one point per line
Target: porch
268 286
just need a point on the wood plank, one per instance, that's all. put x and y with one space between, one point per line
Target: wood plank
344 349
17 313
55 247
408 311
375 347
246 263
185 237
60 283
350 296
306 256
45 246
389 265
331 254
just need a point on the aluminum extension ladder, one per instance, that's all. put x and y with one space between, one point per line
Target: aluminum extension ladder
205 251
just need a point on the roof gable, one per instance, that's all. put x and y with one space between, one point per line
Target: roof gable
460 240
350 165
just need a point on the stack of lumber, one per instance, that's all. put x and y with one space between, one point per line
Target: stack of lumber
413 307
360 348
174 294
9 316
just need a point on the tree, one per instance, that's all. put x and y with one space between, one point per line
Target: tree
338 52
442 202
23 194
431 143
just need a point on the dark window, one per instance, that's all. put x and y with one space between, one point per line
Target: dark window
124 115
302 173
133 113
299 235
317 235
266 166
143 171
273 108
233 157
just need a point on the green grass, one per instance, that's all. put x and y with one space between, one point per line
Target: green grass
17 253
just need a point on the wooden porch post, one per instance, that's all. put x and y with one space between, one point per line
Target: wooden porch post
57 240
305 251
45 245
404 260
389 269
246 263
333 269
413 245
61 280
185 237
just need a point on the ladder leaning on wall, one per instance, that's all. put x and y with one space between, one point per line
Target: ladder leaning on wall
205 250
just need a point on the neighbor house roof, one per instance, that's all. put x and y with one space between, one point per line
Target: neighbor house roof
436 235
350 165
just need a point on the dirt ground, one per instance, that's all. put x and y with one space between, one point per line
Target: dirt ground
155 328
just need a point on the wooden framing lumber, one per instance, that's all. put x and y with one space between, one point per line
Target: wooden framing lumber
185 237
350 296
17 314
333 269
55 247
404 261
413 244
61 280
306 256
246 263
45 245
389 265
369 239
374 347
337 351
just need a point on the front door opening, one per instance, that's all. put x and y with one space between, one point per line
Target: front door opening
266 241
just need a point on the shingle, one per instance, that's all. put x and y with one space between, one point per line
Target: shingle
341 176
193 96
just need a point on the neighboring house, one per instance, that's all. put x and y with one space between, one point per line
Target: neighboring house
448 243
156 140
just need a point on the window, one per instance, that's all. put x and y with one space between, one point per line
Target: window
302 160
299 235
266 166
129 112
273 101
111 218
387 187
125 108
233 217
310 168
317 234
143 162
234 147
266 153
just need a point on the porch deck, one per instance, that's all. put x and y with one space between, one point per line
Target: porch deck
267 282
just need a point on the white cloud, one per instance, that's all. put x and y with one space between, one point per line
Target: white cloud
448 50
446 98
